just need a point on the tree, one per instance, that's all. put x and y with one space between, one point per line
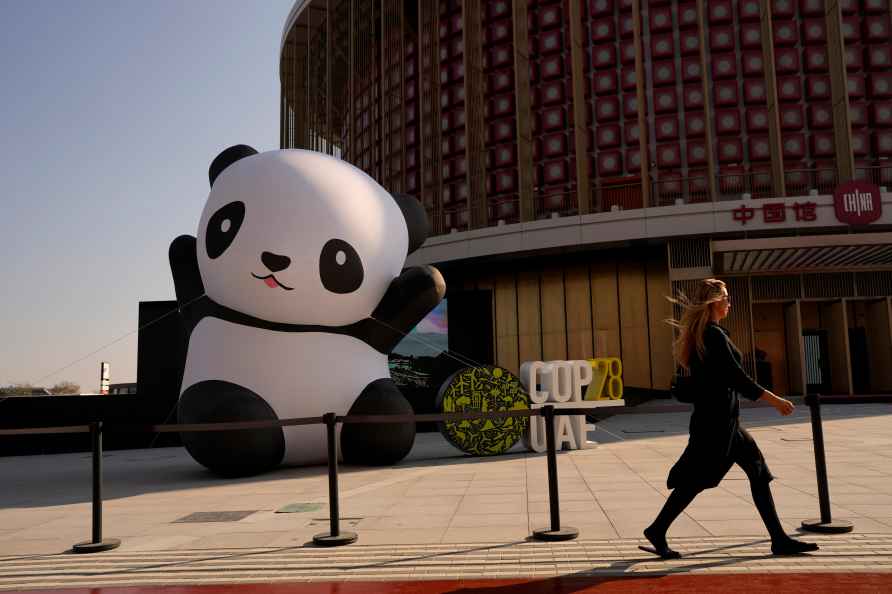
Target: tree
20 390
65 387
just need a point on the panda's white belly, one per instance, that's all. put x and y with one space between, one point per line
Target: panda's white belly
300 374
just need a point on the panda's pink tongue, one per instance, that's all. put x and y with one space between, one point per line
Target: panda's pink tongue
271 282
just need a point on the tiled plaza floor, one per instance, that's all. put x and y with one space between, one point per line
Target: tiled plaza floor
442 515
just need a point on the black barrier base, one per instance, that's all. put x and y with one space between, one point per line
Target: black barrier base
832 527
328 540
96 547
564 533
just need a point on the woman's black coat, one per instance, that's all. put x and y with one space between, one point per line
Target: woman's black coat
717 440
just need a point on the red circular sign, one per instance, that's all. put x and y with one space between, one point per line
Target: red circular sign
857 203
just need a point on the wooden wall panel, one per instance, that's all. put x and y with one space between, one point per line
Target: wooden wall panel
605 309
659 309
835 318
635 345
554 321
879 344
811 316
769 332
529 330
579 313
506 322
795 348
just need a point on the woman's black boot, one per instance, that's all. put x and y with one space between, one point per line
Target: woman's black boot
781 544
656 533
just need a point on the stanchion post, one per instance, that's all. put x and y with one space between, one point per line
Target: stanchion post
555 532
825 523
335 537
97 544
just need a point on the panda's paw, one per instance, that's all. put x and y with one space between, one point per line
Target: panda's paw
378 444
230 453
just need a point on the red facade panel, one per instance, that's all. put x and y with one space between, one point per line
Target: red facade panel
821 144
786 60
858 114
730 150
554 145
605 82
693 97
690 69
879 57
794 146
789 89
727 122
720 12
608 136
662 46
660 19
668 155
880 85
881 114
721 39
785 33
757 119
751 35
883 143
814 31
856 86
603 31
754 91
690 43
610 163
759 148
687 14
666 128
791 117
816 59
748 10
696 152
854 58
607 109
818 87
604 56
664 73
695 124
665 101
726 92
820 116
876 29
724 66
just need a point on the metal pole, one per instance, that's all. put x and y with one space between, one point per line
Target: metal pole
97 544
335 537
825 523
555 532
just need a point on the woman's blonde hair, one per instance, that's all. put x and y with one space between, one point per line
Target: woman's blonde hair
696 313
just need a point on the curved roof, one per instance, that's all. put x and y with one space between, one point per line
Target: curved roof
293 14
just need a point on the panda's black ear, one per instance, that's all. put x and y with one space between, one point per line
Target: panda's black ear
416 219
227 158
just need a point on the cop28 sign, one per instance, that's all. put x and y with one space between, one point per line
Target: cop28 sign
857 203
561 384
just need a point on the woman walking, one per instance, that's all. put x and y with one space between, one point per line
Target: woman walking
717 441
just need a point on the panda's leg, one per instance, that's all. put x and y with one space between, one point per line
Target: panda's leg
378 444
230 453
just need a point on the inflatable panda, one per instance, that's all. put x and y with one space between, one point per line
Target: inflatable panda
293 295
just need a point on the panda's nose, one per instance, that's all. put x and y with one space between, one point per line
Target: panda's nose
275 262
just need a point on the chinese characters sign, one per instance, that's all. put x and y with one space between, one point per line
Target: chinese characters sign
776 212
857 203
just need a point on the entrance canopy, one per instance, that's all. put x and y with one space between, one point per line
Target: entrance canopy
815 253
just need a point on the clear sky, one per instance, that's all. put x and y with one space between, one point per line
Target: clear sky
110 114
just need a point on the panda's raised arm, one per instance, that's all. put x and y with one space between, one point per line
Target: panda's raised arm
410 297
184 267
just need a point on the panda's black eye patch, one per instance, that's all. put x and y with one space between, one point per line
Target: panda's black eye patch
340 267
222 228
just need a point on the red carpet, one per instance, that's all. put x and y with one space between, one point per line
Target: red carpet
810 583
